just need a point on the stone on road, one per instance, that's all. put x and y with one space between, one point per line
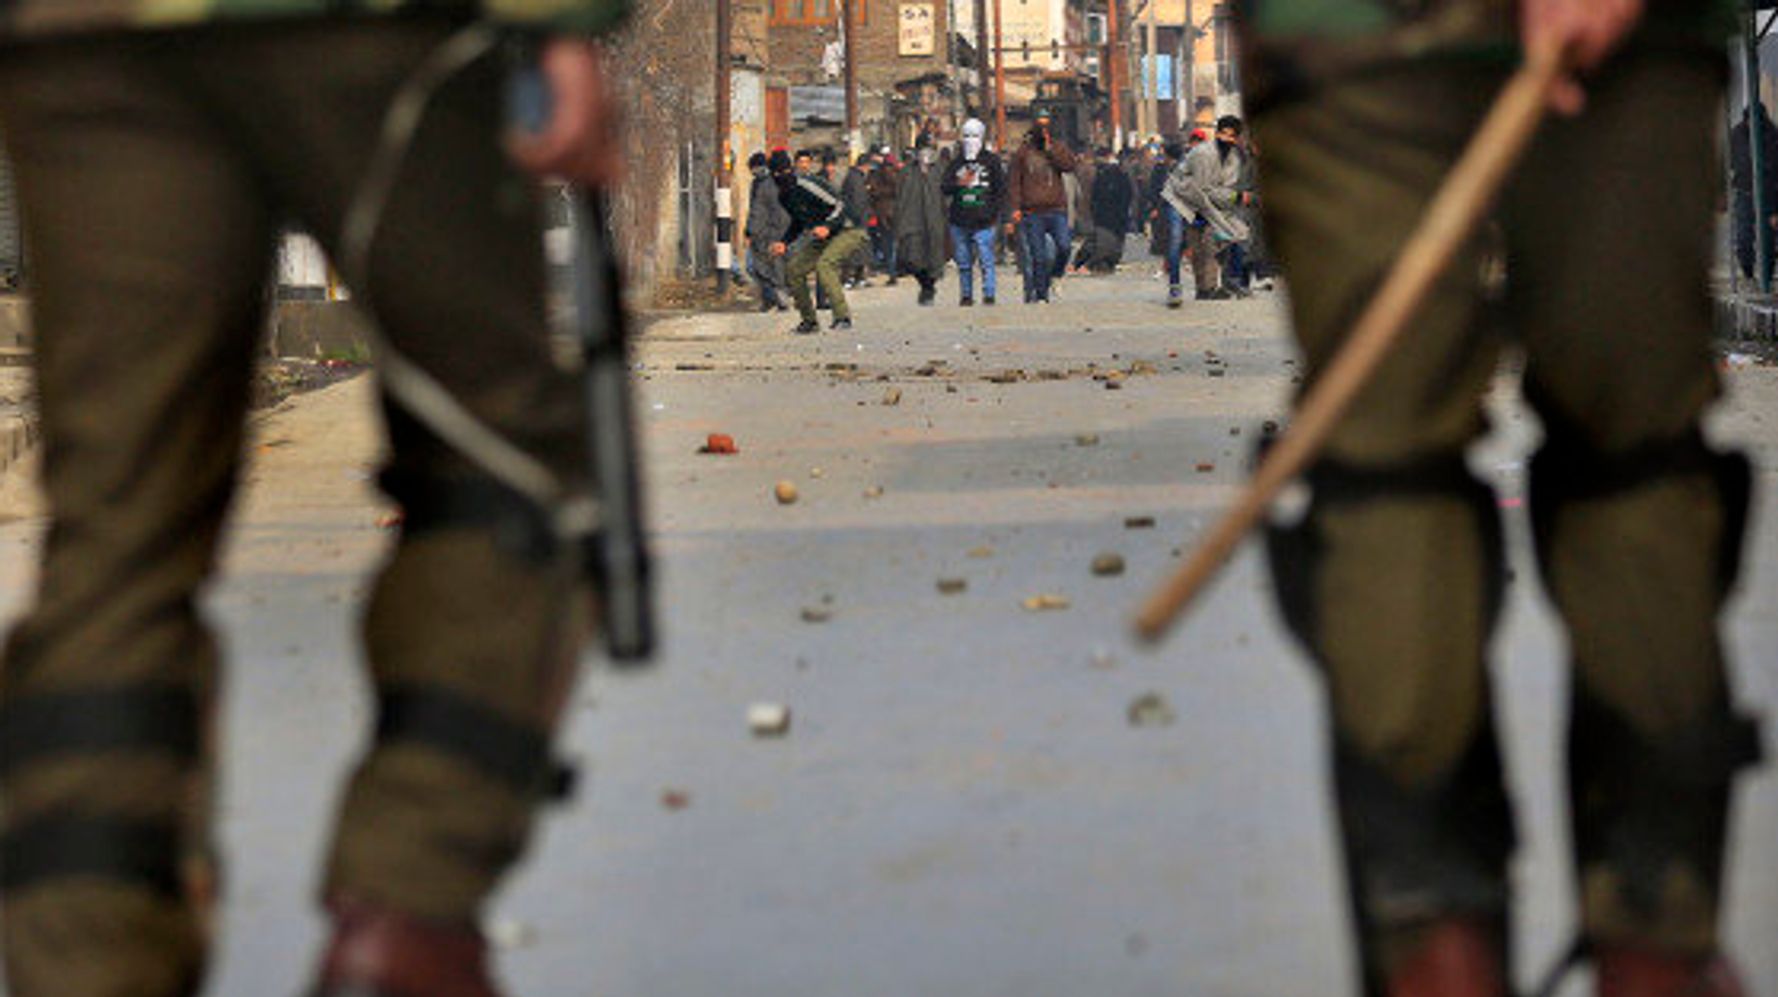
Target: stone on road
963 809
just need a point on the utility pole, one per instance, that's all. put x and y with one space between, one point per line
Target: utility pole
981 57
854 138
725 200
999 83
1189 87
1111 54
1756 153
1151 74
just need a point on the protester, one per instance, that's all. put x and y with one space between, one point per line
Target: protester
1205 190
1112 195
767 221
881 187
920 220
821 237
1079 185
1040 206
1741 180
976 185
1160 166
855 191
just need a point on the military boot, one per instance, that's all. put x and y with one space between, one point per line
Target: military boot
1624 971
1454 957
377 952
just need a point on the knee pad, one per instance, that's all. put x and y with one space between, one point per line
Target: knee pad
1296 550
1566 471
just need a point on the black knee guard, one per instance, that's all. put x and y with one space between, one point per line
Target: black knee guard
1413 852
1566 471
1646 804
1295 550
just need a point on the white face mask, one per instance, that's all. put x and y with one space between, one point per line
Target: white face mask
972 147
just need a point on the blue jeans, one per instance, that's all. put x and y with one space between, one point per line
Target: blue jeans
1046 246
972 248
1175 241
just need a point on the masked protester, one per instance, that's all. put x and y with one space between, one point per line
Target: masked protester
1040 207
920 220
159 149
1206 192
975 184
767 221
822 236
1637 522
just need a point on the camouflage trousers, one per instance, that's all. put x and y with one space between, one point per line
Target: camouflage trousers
156 172
1394 577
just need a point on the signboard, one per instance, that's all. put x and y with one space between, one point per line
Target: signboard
918 29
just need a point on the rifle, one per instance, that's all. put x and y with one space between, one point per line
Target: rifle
616 552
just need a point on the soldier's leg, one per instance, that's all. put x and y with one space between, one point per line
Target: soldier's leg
1638 523
798 268
1397 530
149 243
472 626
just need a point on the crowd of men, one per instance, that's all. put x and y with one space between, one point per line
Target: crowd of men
1054 208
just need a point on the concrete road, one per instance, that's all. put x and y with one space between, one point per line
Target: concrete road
962 806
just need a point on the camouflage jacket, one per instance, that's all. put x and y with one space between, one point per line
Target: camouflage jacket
1293 44
40 18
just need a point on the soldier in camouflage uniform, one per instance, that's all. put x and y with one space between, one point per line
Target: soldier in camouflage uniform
1362 106
159 147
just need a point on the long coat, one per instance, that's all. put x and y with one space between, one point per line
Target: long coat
920 228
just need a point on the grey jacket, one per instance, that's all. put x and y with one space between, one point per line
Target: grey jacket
767 221
1206 185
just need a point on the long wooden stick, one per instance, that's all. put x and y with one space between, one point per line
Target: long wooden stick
1450 221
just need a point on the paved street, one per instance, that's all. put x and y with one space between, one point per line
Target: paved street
963 806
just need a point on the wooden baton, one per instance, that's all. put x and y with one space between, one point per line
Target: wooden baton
1455 212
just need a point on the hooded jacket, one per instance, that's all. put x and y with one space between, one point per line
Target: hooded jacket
976 189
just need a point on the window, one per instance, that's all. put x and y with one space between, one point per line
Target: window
815 11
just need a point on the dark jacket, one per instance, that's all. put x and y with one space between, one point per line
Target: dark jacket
920 221
767 221
977 191
1034 182
855 191
810 203
1741 159
1112 194
882 189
